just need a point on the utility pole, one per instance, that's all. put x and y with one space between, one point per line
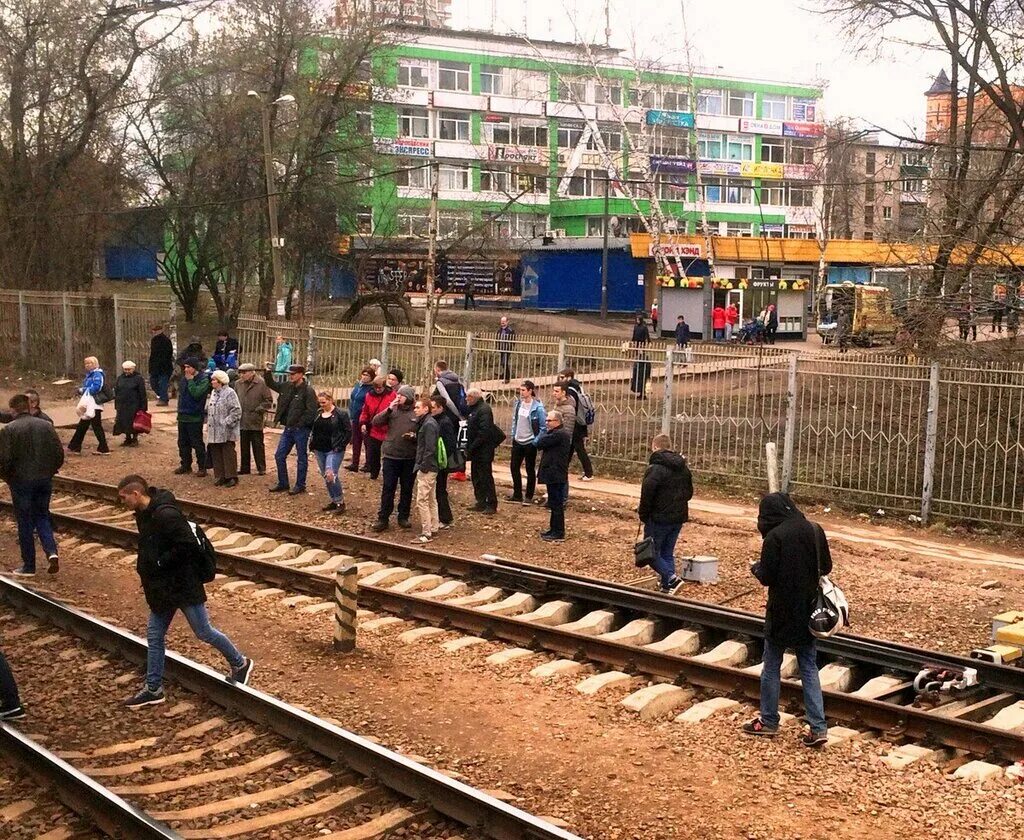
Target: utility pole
428 323
604 253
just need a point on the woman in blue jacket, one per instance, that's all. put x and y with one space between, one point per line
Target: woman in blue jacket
528 418
94 385
356 398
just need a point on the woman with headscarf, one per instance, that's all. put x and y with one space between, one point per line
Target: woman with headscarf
223 425
129 399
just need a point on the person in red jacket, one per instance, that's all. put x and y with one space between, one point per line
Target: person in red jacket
379 397
718 322
732 317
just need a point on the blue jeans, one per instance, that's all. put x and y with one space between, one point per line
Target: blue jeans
814 704
159 382
32 510
199 620
331 461
298 437
664 538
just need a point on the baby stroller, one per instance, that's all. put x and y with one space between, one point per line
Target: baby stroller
751 332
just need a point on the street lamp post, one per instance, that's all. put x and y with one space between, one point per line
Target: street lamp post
268 166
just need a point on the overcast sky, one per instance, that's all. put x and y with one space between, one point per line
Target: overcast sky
767 39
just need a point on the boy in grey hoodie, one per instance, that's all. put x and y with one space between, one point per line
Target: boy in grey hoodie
426 471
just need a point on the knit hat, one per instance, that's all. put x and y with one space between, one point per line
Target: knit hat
408 392
191 362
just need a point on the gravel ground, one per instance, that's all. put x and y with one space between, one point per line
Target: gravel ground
48 814
583 760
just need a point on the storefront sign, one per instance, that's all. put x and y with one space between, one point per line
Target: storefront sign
404 146
664 163
718 167
678 119
766 169
799 171
761 127
514 154
675 249
668 282
791 129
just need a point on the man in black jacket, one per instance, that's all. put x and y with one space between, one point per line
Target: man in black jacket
167 567
555 447
30 456
794 554
161 362
483 437
664 495
297 408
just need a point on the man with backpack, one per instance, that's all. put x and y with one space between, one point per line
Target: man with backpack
175 559
483 437
450 388
585 416
794 554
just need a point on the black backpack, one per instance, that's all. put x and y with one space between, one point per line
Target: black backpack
206 557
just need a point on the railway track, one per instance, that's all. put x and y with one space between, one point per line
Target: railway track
686 645
226 761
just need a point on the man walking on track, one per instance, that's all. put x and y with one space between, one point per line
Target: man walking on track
664 507
169 565
30 456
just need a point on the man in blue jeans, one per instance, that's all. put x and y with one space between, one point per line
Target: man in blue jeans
664 507
167 565
30 456
794 554
297 408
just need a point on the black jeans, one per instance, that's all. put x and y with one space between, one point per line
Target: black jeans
190 439
96 424
444 505
373 455
523 452
8 687
579 446
251 441
506 366
399 474
557 494
484 490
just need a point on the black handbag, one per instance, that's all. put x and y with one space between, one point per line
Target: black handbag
643 550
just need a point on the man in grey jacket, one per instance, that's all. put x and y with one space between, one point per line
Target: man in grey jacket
427 468
30 456
399 458
256 399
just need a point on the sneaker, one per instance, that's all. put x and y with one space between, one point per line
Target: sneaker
23 572
277 488
379 526
52 564
145 698
101 452
183 470
547 536
16 713
353 468
220 482
757 727
242 673
71 451
340 508
526 501
586 478
329 506
674 585
478 507
201 474
297 491
814 740
404 523
445 526
514 498
422 538
231 482
491 511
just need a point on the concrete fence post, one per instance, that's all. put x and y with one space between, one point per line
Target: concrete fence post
346 590
172 324
118 334
789 438
562 346
23 327
311 349
384 339
666 409
69 335
467 367
930 442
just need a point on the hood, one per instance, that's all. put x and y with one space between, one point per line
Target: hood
670 460
775 509
449 376
159 497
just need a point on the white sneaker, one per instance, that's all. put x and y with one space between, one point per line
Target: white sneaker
586 478
423 538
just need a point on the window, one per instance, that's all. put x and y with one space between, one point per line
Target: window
773 193
452 75
450 177
801 195
773 231
644 98
495 180
738 229
491 80
529 182
740 147
801 153
530 134
913 159
412 223
869 217
364 221
869 163
569 135
887 213
451 223
573 91
804 110
672 187
526 84
869 192
586 182
773 107
913 185
453 125
773 151
868 235
413 122
738 192
741 103
607 93
612 140
413 75
364 123
672 142
675 100
528 225
709 102
498 132
709 145
888 186
890 159
712 189
412 173
799 232
595 226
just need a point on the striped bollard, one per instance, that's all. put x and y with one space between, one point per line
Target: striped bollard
345 591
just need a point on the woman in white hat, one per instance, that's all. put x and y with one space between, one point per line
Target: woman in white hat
223 423
129 399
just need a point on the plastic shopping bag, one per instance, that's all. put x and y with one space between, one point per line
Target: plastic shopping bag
86 408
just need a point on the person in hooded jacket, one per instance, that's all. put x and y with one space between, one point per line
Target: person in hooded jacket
664 507
446 431
168 569
794 554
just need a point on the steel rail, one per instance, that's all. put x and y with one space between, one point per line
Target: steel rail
456 800
86 797
876 714
549 583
